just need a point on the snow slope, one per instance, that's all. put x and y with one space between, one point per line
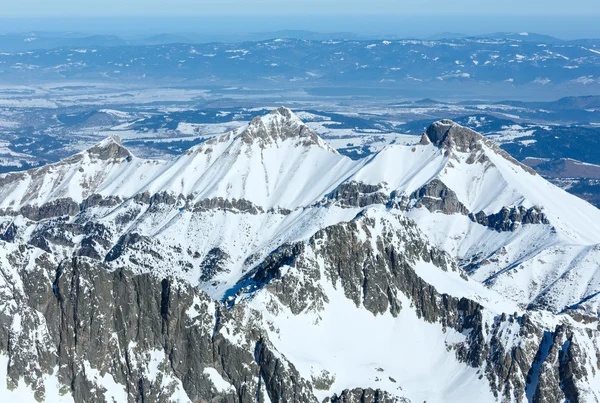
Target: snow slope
483 180
317 252
283 170
257 163
549 266
107 169
276 161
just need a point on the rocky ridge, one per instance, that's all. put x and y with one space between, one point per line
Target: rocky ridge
142 294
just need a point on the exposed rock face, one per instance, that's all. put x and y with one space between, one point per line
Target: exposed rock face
213 264
357 194
110 149
68 207
233 205
119 324
375 279
561 371
298 295
95 241
509 219
50 187
283 384
447 134
368 395
57 208
9 233
435 196
129 240
451 136
162 198
93 321
281 124
203 205
97 200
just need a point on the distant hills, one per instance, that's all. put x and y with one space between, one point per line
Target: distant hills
20 42
565 103
26 41
355 67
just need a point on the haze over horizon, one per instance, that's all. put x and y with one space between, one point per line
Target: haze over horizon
576 19
300 201
161 8
563 27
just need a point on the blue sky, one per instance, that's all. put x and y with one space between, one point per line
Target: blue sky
406 18
113 8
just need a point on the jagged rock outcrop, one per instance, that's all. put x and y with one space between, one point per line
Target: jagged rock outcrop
153 338
367 395
133 241
110 149
445 133
213 263
57 189
97 200
55 208
451 136
374 279
280 124
282 380
292 291
435 196
160 198
357 194
509 219
233 205
561 372
95 242
9 232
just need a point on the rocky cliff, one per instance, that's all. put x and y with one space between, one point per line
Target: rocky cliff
419 274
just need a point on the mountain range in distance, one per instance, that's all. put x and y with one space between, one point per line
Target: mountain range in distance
15 42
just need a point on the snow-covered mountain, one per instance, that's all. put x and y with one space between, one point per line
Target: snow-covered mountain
264 266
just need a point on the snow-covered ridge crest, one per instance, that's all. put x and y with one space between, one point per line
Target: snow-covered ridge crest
107 168
257 164
275 162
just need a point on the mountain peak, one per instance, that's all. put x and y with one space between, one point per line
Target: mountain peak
281 115
280 125
448 134
285 112
109 148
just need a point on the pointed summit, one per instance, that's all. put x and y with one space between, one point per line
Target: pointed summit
286 113
109 149
448 134
451 136
280 125
274 162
